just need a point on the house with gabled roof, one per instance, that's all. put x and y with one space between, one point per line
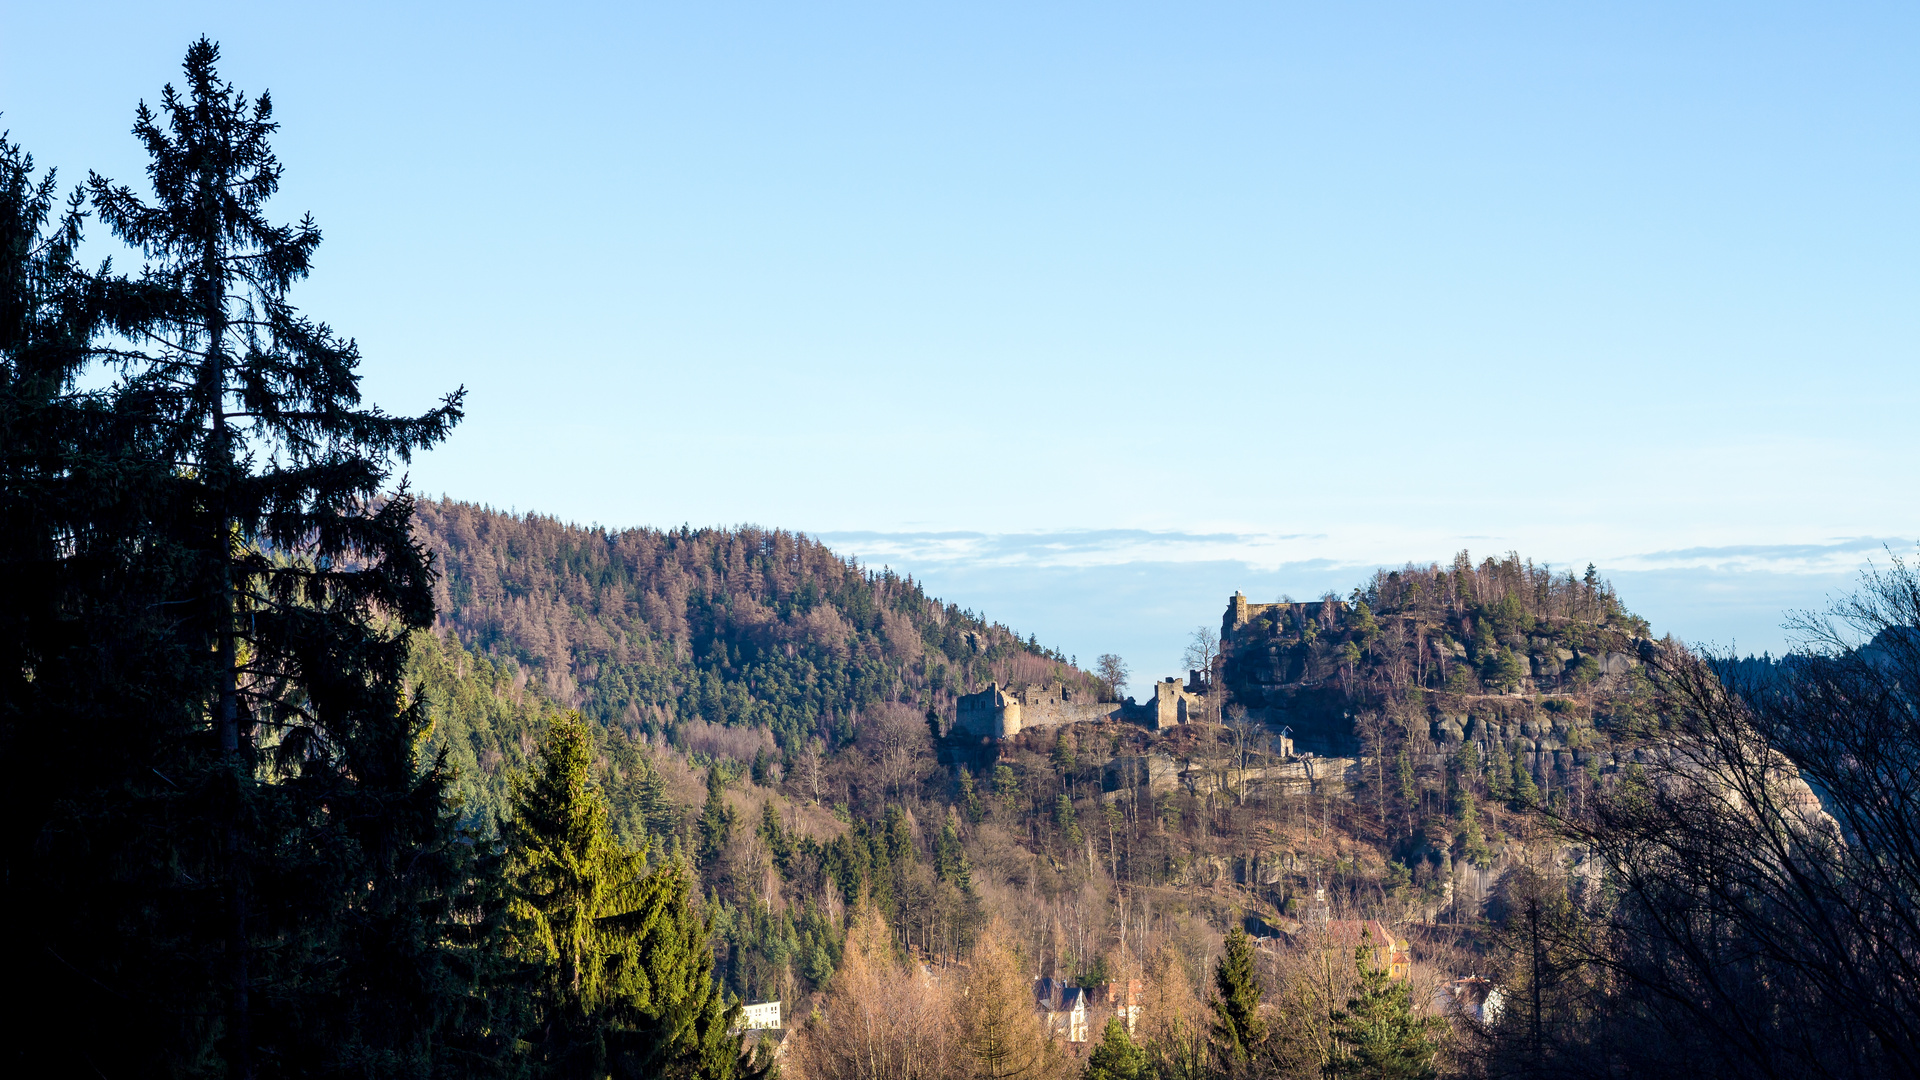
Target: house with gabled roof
1062 1009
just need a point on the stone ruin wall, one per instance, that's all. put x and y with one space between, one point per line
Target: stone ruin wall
1240 612
994 713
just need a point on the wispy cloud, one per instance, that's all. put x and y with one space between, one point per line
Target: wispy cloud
1837 556
1273 551
1087 548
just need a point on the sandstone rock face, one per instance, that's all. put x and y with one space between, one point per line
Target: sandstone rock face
1270 869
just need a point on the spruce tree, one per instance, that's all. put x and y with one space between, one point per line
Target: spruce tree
1499 771
1469 762
1526 793
301 583
970 798
716 819
1065 821
85 675
950 862
623 981
1473 839
270 868
1377 1036
1006 786
1063 754
1115 1057
1237 1029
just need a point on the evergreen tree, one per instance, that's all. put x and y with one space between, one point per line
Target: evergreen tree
1377 1036
1063 819
1526 793
880 875
1404 776
1469 764
779 842
1115 1057
623 972
1237 1029
1063 752
970 798
266 768
716 818
90 717
1006 785
662 819
817 962
899 839
950 858
1472 839
1499 771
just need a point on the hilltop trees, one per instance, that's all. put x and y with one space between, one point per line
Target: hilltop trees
753 628
1113 674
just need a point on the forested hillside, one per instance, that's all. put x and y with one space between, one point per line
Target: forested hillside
776 716
722 643
643 629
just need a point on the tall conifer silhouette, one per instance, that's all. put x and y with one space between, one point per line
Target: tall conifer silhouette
299 580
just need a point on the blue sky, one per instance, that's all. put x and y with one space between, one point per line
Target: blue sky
1153 301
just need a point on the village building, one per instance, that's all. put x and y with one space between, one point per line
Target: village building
1319 930
762 1017
1062 1009
1123 1000
1073 1013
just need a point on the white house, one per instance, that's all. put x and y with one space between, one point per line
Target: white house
765 1015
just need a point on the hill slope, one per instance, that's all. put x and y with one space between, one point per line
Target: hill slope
762 710
643 629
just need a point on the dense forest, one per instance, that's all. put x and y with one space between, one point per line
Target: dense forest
308 777
644 629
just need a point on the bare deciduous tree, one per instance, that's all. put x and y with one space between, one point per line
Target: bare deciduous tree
1113 672
880 1021
810 770
1763 858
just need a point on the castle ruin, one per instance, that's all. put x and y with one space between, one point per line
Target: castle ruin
995 713
1002 713
1240 613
